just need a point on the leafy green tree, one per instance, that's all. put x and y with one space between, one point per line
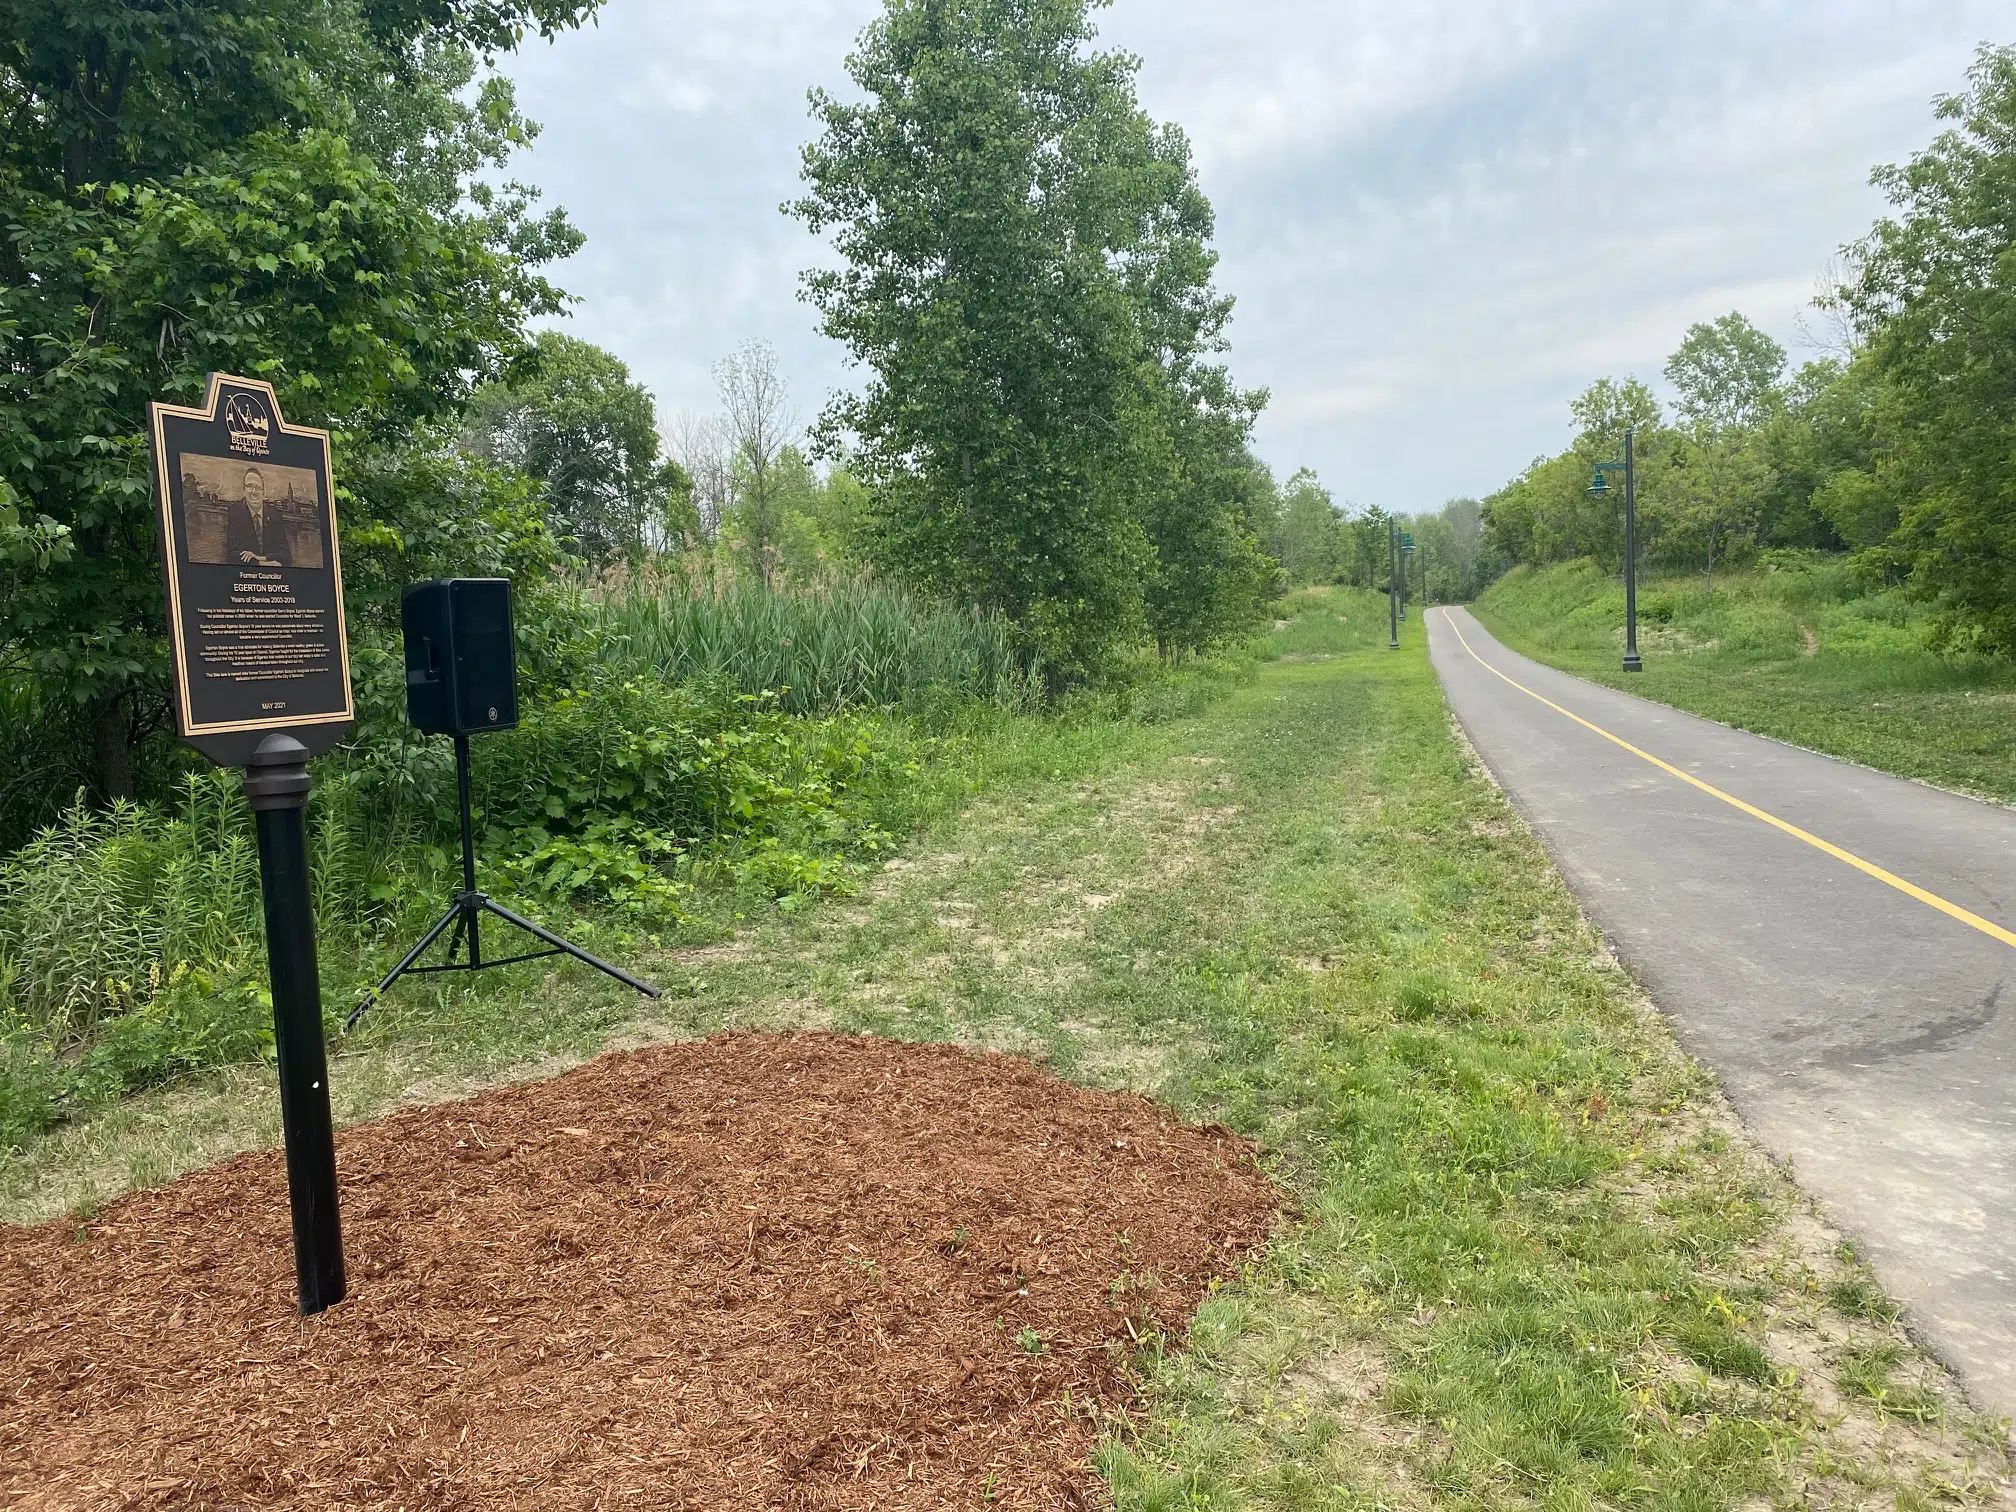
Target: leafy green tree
1934 298
821 533
1307 543
1362 554
275 187
1027 280
1450 564
1210 576
1727 373
1547 513
1822 451
1593 524
588 433
1606 409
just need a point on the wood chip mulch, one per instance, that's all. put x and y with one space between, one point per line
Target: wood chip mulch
760 1270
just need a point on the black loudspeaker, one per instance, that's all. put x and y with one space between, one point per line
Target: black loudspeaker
461 660
461 680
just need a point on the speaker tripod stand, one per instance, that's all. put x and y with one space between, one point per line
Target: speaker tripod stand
466 915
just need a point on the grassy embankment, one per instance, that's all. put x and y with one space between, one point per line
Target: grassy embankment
1802 654
1534 1263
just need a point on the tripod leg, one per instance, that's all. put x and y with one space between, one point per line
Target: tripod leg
455 939
450 917
573 950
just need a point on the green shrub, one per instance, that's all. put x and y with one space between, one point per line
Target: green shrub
1658 608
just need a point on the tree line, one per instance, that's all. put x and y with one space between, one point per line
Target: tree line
1897 450
1317 539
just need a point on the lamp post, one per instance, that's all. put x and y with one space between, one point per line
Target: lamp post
1392 589
1601 485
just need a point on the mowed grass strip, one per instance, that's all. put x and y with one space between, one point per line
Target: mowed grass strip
1535 1262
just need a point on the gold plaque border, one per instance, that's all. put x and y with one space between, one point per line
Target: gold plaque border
171 560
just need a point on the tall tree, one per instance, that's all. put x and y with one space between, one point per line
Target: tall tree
758 424
1934 297
588 432
180 191
1593 524
1210 575
1027 279
1452 545
1727 373
1307 540
820 536
1365 560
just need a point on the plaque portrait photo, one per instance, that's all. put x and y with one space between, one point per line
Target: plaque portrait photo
251 516
251 573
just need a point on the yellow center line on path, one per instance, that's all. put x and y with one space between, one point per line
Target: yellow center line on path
1889 879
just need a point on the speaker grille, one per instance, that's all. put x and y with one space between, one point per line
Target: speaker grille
461 659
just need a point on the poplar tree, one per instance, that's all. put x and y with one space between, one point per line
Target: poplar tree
1027 280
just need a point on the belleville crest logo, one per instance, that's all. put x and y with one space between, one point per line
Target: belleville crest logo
247 423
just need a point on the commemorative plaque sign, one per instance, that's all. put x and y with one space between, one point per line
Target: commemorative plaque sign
252 574
254 589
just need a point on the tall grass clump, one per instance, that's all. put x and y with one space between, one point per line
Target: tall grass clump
816 649
100 902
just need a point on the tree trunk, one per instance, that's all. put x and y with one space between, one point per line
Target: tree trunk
115 759
1714 531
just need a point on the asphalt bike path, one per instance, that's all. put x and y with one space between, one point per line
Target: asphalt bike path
1838 945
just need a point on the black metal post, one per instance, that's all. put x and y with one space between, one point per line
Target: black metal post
276 785
1632 661
468 850
1392 599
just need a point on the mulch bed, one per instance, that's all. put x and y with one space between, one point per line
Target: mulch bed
760 1270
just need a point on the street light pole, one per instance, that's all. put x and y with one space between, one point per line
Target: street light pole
1392 592
1601 485
1632 661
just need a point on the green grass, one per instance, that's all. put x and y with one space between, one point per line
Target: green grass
1801 654
1532 1262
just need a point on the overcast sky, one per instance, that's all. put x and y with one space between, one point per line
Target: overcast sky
1440 218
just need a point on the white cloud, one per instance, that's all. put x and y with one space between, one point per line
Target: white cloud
1266 77
1441 219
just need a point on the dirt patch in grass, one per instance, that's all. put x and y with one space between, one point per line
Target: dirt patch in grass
758 1270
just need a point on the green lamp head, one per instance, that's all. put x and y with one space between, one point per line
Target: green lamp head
1601 484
